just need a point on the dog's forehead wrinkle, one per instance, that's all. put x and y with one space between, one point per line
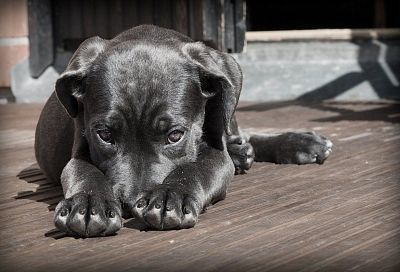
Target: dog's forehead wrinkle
142 59
115 120
143 85
148 105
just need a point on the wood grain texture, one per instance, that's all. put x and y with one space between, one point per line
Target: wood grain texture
340 216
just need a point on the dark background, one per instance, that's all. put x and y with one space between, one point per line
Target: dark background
314 14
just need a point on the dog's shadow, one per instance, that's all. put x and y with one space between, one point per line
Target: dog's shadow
133 223
47 192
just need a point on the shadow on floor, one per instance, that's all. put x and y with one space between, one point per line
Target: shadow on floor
389 113
133 223
46 192
381 110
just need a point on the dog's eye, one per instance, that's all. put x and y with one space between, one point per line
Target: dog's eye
175 136
105 135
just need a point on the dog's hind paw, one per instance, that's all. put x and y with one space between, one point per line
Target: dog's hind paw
166 208
303 148
86 215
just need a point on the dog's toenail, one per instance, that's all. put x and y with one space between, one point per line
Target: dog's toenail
168 208
157 206
64 212
94 211
140 205
111 214
82 211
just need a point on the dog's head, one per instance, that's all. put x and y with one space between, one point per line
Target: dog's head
145 106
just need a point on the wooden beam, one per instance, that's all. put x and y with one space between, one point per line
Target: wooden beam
41 53
240 25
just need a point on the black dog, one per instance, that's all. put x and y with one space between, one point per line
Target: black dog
142 125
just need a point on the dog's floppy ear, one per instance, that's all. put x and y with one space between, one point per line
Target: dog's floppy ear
70 85
220 80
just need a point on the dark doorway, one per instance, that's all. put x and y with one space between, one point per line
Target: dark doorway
315 14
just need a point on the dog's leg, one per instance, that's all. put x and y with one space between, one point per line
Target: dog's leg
291 147
184 194
89 208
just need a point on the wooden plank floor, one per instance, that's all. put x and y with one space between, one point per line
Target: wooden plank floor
341 216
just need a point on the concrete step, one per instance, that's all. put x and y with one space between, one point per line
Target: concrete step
276 71
318 70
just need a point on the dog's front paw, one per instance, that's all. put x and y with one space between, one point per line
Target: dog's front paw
241 153
166 208
303 148
87 215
